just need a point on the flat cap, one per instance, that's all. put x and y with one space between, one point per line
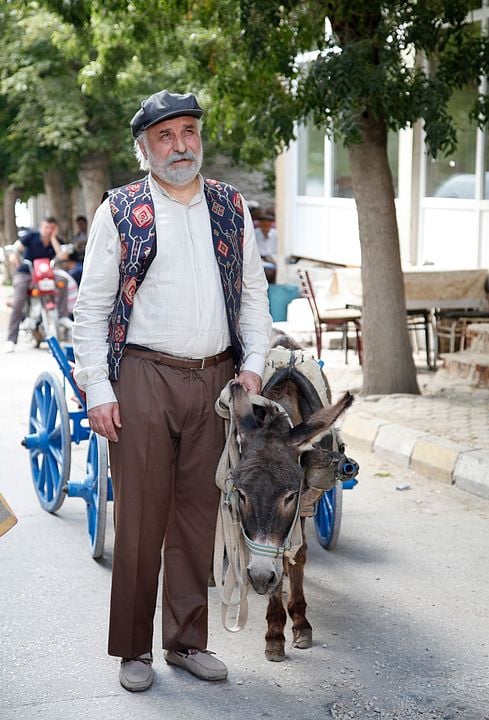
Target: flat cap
164 105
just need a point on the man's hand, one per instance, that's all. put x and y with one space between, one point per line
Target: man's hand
250 381
104 419
53 231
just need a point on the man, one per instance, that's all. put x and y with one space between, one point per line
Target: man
80 237
33 246
75 259
172 259
266 238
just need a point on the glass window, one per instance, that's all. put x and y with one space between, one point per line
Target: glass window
311 162
453 176
342 185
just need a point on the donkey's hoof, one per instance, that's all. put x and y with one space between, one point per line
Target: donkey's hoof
302 638
275 655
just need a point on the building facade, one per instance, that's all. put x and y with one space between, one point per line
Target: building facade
442 205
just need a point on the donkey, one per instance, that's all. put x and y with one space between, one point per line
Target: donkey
269 480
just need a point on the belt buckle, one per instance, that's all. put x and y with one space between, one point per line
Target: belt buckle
202 364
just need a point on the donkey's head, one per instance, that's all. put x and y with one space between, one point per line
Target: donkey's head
268 478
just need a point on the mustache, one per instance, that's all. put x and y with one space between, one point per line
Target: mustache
176 156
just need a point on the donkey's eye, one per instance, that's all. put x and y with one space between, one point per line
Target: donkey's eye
291 497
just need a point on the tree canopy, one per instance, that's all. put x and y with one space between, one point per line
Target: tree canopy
72 72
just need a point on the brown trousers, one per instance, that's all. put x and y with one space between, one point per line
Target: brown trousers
163 475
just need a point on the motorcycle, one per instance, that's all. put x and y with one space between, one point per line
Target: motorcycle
41 317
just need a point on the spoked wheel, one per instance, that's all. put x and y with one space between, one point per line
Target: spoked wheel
49 441
327 518
96 482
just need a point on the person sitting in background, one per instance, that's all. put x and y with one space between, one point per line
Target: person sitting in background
266 238
73 264
80 237
33 246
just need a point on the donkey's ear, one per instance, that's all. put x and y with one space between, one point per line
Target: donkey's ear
243 414
307 434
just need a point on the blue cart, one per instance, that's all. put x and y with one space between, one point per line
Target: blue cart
52 430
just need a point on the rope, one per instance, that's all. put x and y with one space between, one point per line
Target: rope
231 582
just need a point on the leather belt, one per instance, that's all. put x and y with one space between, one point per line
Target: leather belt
178 362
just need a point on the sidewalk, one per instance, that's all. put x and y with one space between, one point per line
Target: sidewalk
442 433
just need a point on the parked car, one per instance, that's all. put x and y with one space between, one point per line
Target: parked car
461 185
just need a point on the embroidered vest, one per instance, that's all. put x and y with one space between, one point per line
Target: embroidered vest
133 213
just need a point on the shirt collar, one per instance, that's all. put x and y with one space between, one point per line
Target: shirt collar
156 187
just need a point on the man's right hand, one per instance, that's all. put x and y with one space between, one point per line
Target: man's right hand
104 419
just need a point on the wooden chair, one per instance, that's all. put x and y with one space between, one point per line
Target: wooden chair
334 319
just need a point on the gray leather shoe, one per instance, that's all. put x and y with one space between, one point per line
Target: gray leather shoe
136 674
200 663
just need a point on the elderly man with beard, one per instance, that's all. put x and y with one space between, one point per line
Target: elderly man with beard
172 305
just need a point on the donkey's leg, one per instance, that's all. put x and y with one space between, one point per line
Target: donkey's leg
301 629
276 617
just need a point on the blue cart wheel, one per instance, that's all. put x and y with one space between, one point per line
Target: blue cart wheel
49 441
96 496
327 518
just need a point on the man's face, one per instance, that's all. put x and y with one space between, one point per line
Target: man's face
174 150
266 226
47 229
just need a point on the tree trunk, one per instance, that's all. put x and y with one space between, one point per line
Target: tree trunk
10 196
77 204
58 201
94 180
387 356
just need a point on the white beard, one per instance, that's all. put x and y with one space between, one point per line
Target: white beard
172 173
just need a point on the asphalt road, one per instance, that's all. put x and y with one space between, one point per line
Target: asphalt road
400 609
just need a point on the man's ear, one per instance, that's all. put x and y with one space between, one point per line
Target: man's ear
143 149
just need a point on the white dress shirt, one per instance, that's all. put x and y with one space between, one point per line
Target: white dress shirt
179 308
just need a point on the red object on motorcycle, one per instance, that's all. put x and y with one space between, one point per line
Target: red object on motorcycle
43 277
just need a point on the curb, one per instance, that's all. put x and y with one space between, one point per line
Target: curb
433 456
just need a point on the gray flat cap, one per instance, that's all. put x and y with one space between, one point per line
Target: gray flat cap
164 105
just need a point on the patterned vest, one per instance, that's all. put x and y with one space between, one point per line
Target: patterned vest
133 213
